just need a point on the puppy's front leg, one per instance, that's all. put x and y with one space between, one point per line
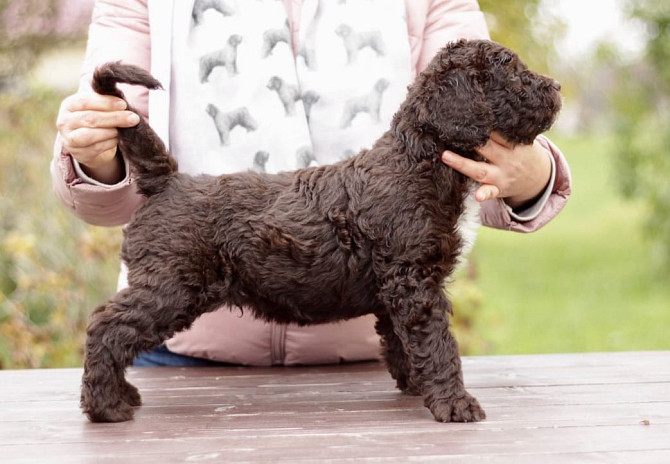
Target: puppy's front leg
420 320
395 355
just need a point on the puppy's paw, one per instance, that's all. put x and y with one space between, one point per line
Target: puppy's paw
108 405
460 408
119 412
130 394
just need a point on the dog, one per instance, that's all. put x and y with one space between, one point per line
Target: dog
226 57
273 37
304 157
226 122
355 41
369 103
200 6
309 99
289 94
260 160
376 233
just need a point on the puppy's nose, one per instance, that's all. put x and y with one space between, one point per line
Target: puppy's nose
555 84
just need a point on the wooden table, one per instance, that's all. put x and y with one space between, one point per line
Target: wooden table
596 408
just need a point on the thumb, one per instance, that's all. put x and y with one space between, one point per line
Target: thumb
486 192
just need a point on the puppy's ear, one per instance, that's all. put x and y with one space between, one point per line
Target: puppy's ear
453 106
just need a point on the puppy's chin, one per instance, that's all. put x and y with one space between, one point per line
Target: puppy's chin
466 151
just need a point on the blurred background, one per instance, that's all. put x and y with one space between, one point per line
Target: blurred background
595 279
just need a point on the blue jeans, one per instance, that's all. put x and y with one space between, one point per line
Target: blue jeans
162 357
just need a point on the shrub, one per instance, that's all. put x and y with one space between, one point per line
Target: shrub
53 268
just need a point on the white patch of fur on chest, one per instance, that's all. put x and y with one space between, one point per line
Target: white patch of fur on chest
468 225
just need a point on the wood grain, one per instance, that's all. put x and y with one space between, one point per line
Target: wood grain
596 407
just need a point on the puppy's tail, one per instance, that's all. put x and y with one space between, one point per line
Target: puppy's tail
152 165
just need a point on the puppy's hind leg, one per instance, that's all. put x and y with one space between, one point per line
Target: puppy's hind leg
136 319
420 320
105 394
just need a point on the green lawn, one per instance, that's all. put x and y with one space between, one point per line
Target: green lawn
582 283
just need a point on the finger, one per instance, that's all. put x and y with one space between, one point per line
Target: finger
492 151
96 119
476 170
85 138
92 101
500 140
107 119
486 192
96 155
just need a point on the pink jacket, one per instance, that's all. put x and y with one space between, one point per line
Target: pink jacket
139 32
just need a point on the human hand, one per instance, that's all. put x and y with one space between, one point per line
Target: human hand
516 173
87 123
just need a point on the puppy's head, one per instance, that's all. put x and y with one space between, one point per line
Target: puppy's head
524 103
274 83
234 40
343 30
212 110
472 88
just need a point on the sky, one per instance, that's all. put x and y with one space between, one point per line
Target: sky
589 21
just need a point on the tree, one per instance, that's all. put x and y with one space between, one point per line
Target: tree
53 268
642 105
521 26
30 27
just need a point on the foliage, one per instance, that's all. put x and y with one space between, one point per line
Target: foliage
53 268
468 301
515 24
642 105
30 27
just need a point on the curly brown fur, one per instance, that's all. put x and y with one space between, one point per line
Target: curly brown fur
376 233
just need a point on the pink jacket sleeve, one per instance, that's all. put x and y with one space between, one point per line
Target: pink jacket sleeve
431 24
119 31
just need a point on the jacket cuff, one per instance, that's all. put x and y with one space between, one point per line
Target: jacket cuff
89 180
496 214
533 210
101 205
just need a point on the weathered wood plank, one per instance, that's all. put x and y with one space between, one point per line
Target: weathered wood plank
501 404
603 407
402 444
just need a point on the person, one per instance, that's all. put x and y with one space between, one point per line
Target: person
272 86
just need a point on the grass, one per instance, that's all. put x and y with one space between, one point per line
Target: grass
582 283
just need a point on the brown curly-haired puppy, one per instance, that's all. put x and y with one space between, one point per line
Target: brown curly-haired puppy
376 233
